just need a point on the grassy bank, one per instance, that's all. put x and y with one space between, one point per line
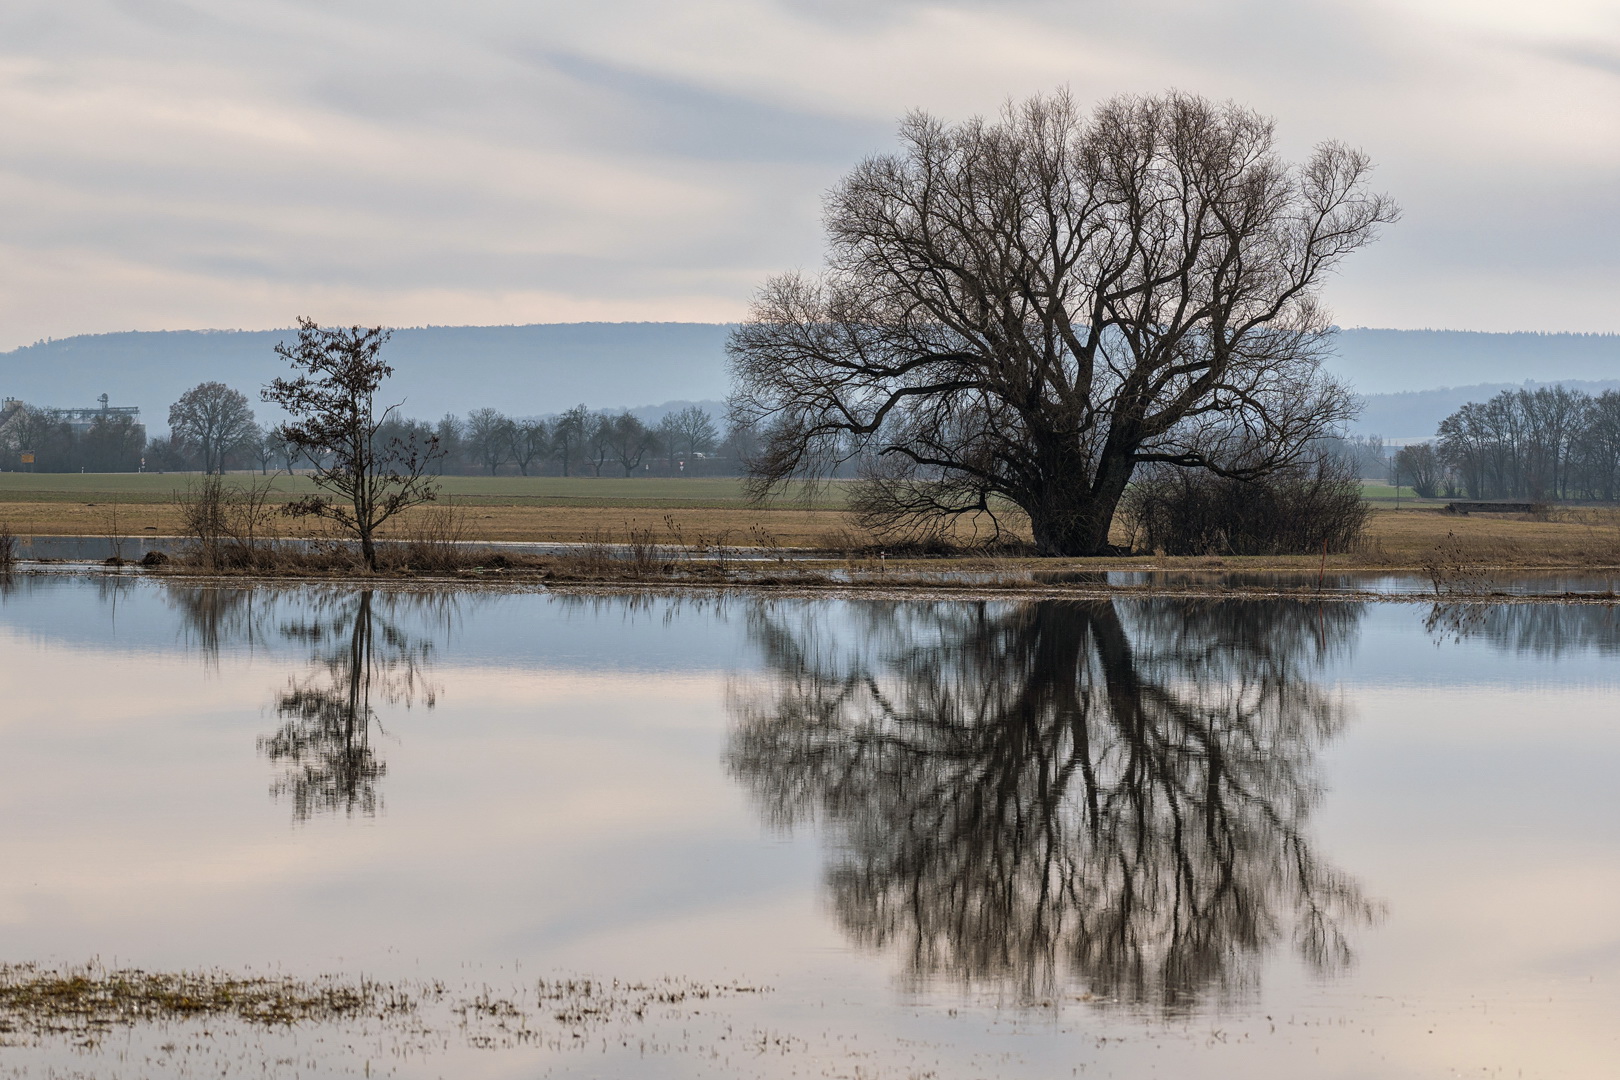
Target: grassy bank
708 511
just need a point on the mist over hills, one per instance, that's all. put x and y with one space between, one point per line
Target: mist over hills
1410 378
521 370
1416 413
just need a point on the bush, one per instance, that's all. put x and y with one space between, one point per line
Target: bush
1292 512
228 523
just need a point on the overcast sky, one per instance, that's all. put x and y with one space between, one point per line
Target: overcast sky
168 164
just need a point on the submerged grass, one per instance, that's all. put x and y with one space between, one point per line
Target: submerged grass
81 1006
86 1001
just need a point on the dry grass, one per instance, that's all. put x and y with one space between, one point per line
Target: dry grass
564 524
1581 537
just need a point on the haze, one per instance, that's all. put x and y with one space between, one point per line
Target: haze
231 164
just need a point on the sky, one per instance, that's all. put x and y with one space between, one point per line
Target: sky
173 164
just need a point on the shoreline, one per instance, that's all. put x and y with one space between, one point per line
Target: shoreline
881 587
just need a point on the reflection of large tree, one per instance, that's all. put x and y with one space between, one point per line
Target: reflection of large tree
1115 793
324 746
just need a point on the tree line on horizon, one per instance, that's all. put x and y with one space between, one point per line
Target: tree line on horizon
1547 444
212 428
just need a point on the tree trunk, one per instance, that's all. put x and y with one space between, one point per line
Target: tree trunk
1070 519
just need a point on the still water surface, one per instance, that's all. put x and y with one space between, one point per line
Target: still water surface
1134 837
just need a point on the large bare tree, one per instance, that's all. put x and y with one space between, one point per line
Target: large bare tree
1019 312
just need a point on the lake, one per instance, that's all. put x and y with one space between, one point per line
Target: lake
784 837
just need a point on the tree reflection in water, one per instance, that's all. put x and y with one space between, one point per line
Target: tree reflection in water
1539 629
1028 794
362 654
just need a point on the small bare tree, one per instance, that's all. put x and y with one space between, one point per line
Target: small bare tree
335 422
1019 313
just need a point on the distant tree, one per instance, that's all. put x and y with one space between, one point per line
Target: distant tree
1420 467
598 442
450 432
688 432
1365 453
45 435
741 444
113 444
629 440
214 421
165 453
262 449
332 403
489 438
531 443
1526 444
1599 447
569 435
284 454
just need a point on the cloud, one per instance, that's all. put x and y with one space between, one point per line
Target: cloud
166 163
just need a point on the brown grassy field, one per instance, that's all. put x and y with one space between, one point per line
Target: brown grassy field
706 512
1406 539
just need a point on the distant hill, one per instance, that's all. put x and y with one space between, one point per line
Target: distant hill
545 368
1396 361
521 370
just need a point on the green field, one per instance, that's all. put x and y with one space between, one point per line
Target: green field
667 492
1386 494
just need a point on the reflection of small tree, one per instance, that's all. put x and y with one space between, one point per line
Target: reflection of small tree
1061 790
324 744
336 423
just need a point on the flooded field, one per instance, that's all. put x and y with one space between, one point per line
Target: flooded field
300 832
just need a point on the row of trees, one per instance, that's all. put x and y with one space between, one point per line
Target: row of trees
581 441
111 443
1550 443
213 428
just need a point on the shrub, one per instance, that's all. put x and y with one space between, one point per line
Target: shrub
1294 511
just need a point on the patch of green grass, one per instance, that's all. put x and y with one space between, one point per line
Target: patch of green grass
1387 493
651 492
